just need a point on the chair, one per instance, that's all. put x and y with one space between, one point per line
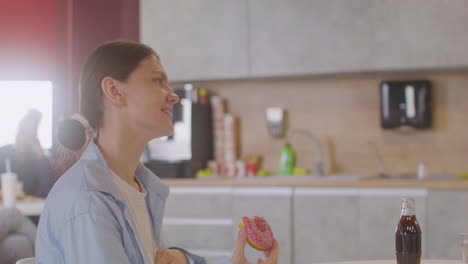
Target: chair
27 261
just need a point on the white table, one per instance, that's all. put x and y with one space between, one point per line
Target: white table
394 262
30 208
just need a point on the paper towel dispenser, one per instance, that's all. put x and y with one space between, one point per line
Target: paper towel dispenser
406 103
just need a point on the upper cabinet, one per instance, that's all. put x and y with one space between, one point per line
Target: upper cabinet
298 37
226 39
199 39
419 34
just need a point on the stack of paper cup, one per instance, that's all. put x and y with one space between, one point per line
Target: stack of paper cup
240 169
217 106
230 146
213 167
9 182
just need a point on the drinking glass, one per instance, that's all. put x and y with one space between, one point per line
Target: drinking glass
464 246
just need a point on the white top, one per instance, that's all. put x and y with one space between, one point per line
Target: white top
141 220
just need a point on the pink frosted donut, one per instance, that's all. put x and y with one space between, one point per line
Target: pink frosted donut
259 234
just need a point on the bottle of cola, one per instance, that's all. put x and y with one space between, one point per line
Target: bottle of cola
408 235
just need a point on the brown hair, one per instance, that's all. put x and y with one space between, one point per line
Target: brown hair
117 59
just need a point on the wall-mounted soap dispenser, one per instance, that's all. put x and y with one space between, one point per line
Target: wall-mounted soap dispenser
406 103
276 121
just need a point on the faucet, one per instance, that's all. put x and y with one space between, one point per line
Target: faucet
381 171
318 163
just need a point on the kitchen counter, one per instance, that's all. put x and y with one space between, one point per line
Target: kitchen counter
333 183
317 211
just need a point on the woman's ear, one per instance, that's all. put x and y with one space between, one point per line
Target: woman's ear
112 90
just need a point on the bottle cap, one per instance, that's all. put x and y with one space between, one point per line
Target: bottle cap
407 201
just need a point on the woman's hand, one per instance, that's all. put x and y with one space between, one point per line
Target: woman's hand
238 256
170 256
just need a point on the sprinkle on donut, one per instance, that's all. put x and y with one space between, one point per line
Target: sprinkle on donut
259 234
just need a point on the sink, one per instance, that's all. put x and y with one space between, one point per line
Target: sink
409 176
332 177
351 177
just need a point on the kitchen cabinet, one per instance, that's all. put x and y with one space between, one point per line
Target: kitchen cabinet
309 37
227 39
198 235
379 213
273 203
200 220
448 217
313 37
205 220
333 224
314 225
419 34
200 202
199 39
326 225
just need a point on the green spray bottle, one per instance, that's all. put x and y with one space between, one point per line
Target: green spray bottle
286 161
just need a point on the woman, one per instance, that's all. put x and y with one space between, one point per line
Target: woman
108 208
27 157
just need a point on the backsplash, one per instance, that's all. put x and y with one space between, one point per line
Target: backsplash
343 112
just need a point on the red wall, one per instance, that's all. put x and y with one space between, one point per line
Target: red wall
27 39
94 22
50 39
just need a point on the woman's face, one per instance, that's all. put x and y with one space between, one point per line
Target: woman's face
149 99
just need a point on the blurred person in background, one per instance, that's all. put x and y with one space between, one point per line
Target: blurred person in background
17 236
27 157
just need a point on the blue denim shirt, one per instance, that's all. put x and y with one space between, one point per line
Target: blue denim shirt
85 219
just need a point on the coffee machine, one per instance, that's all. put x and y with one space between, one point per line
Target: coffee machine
190 147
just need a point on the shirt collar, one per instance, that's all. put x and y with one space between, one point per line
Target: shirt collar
102 179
